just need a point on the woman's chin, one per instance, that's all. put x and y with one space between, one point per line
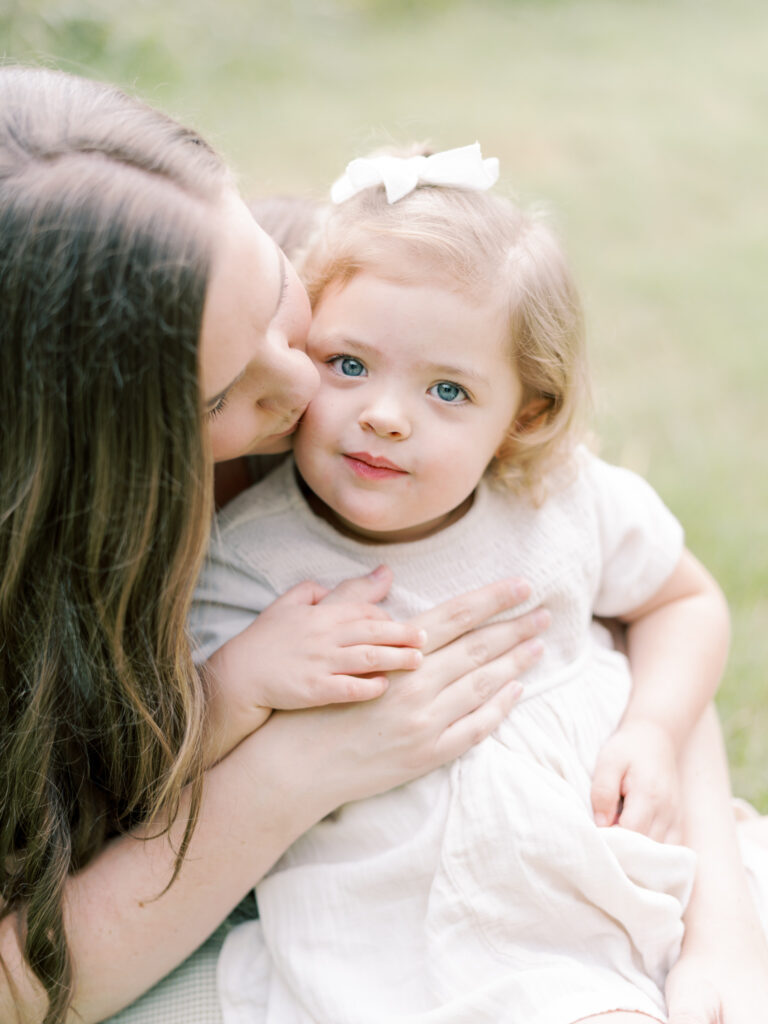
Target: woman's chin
273 446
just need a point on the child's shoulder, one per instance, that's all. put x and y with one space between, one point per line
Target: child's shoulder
582 475
601 475
272 499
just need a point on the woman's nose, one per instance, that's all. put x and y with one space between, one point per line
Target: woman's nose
294 382
386 417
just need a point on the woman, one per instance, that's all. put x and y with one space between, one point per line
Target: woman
126 323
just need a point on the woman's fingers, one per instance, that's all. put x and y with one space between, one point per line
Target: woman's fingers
471 728
468 657
457 616
480 686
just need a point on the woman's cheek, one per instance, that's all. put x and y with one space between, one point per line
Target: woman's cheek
229 437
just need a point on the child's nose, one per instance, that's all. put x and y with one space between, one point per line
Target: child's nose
386 417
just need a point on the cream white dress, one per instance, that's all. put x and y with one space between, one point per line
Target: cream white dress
483 892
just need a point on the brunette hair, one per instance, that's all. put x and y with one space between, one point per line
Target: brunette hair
289 221
494 251
105 483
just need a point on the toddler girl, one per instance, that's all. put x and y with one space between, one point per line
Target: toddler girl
444 442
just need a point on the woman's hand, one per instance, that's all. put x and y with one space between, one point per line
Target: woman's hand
467 683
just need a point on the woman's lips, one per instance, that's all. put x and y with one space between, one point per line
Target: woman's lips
372 467
290 430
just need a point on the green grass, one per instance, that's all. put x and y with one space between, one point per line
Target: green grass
642 124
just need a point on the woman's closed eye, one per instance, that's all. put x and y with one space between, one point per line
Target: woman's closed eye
218 408
348 366
446 391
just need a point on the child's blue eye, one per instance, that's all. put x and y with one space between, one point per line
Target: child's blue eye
348 366
448 392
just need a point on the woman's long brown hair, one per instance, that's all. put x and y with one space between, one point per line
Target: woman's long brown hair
105 493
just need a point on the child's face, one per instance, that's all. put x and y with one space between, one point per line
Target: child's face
417 391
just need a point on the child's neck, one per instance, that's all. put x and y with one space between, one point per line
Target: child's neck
419 531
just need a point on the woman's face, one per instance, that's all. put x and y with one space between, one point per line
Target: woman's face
255 377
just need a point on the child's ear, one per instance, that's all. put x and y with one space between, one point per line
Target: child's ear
533 414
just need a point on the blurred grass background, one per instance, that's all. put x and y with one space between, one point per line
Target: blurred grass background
642 123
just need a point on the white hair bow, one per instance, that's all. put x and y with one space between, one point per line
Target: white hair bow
462 168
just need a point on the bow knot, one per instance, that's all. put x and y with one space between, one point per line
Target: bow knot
460 168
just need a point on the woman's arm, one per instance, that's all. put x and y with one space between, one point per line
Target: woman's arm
272 787
722 974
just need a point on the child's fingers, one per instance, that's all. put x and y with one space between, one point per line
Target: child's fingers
307 592
368 589
650 812
649 806
674 833
344 689
638 815
374 658
381 631
606 786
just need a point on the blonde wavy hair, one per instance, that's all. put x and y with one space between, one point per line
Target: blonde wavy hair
488 246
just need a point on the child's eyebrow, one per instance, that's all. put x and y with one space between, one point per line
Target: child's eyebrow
464 372
339 338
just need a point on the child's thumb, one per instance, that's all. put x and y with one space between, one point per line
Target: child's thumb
606 787
307 592
368 589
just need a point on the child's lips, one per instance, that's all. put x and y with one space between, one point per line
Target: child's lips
373 467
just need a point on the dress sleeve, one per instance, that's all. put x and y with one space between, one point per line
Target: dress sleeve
641 541
229 595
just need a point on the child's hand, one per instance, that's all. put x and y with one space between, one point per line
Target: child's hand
306 653
311 647
635 783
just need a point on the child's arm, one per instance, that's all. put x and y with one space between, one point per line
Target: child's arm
677 644
308 648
